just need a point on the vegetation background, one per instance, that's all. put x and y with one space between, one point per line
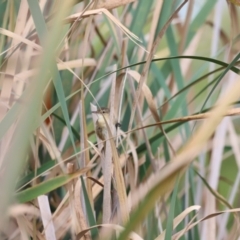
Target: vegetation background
168 71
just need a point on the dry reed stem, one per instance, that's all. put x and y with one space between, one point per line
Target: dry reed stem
110 4
107 176
88 62
154 24
79 211
46 217
200 116
185 28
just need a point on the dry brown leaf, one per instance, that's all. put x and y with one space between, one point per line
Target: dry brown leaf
148 95
135 161
120 185
22 228
51 148
235 2
88 62
62 217
110 4
118 228
21 209
185 27
63 222
29 228
154 23
81 218
187 228
178 219
74 17
20 39
107 176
